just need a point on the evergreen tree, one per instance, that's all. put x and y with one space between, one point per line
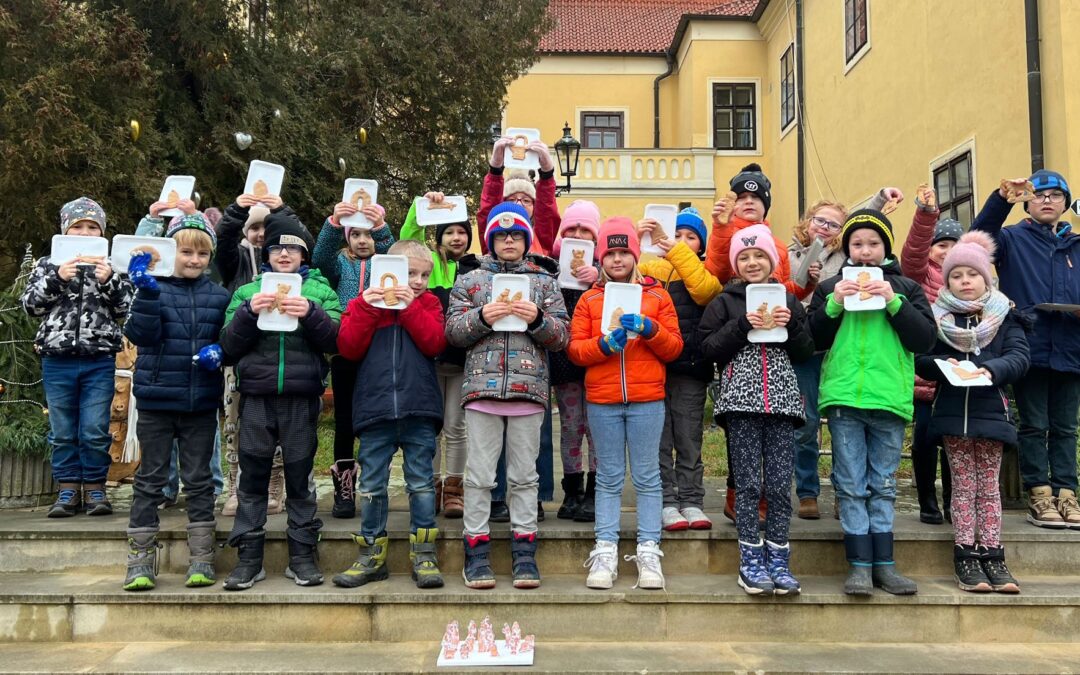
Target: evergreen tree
23 420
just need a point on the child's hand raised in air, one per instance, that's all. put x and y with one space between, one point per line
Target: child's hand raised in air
498 151
646 225
138 272
375 214
244 201
720 207
542 151
342 210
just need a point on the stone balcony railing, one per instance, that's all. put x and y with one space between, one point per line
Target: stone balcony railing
630 170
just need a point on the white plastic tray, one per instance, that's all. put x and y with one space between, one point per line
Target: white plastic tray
264 179
665 214
522 138
764 298
176 188
853 303
509 286
67 247
288 285
624 297
389 270
452 210
362 193
953 374
123 246
572 250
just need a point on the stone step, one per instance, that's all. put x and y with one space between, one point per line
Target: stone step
551 657
694 608
31 542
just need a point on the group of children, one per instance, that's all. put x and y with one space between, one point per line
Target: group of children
636 390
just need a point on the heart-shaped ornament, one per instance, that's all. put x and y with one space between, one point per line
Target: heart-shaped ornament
243 141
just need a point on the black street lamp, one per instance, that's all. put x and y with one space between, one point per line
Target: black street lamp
566 150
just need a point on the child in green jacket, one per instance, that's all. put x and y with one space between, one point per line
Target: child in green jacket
867 384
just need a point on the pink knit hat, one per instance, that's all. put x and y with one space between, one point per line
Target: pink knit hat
618 232
756 236
975 250
581 213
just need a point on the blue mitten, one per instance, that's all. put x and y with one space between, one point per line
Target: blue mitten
138 271
614 342
636 323
209 357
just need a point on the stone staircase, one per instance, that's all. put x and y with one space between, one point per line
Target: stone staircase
62 608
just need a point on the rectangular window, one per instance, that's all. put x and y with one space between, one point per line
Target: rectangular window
602 130
953 184
855 28
734 117
787 87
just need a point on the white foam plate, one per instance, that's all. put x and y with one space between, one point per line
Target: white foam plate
513 284
273 319
122 247
362 193
271 175
626 297
769 297
451 210
664 214
389 270
852 303
183 186
67 247
584 250
955 379
522 137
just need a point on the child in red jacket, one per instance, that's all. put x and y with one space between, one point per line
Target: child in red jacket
397 403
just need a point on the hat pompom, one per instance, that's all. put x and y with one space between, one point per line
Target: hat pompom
980 238
752 166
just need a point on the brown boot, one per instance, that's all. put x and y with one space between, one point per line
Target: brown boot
1068 508
729 504
453 497
1041 510
97 503
808 508
438 495
69 501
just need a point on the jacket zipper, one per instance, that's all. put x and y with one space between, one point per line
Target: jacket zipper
765 378
506 364
622 376
281 364
194 328
79 311
394 363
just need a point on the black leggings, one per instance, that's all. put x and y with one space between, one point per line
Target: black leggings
762 447
342 381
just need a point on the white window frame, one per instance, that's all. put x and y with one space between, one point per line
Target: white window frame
756 81
858 56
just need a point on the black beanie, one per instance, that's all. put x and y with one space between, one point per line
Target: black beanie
751 179
868 219
286 228
440 230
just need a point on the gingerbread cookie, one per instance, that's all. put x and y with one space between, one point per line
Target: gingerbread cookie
616 318
862 280
890 206
360 198
724 215
1018 193
577 260
173 199
504 296
279 297
965 374
445 206
155 257
261 189
768 320
926 195
390 297
517 297
519 147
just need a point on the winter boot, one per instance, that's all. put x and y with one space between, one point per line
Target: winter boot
500 512
422 555
370 564
753 575
860 556
603 564
539 511
523 552
343 472
779 567
573 496
477 571
453 497
1042 512
438 495
928 505
304 563
232 501
673 521
1069 509
142 559
885 575
697 518
68 502
95 501
200 541
969 571
249 564
993 564
275 502
729 504
650 576
587 508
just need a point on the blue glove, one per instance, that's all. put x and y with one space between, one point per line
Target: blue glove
614 342
138 271
636 323
209 357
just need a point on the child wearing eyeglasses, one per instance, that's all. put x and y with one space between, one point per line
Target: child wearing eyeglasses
343 255
1038 261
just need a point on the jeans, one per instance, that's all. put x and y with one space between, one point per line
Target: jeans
866 452
620 429
378 444
79 393
172 488
1047 401
807 448
545 466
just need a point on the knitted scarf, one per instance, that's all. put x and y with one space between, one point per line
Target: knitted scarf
991 309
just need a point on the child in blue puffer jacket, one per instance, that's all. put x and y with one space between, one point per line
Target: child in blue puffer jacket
343 255
175 323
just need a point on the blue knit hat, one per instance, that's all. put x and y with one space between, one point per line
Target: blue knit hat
508 217
690 219
193 221
1044 179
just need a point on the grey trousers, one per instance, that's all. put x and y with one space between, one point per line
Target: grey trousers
681 470
485 440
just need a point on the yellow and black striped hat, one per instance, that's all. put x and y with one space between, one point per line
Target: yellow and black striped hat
874 220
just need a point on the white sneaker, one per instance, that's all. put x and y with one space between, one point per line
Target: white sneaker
696 518
603 564
672 520
650 576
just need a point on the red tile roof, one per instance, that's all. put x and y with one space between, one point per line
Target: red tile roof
631 26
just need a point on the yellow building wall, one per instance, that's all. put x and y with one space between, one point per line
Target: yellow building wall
780 160
1061 89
